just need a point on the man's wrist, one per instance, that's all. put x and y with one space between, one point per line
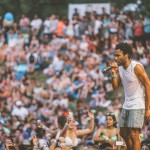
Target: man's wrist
113 75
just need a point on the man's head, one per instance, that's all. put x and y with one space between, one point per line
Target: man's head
123 52
19 104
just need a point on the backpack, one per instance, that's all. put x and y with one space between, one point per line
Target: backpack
31 58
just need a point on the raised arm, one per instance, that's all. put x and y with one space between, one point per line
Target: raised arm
64 130
91 127
35 141
143 77
41 124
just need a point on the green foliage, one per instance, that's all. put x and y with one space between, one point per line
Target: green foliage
48 7
90 1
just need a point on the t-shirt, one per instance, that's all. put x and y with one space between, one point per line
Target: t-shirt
146 23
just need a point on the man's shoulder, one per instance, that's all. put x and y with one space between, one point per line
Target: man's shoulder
136 62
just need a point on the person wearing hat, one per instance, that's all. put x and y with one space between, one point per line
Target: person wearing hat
20 111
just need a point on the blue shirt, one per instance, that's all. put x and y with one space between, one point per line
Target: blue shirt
146 23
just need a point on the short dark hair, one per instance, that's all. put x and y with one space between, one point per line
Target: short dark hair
125 48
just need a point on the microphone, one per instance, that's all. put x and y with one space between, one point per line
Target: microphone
108 68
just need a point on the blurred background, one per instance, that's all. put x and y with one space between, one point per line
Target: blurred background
46 7
52 53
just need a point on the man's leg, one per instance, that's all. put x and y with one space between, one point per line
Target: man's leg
134 134
124 133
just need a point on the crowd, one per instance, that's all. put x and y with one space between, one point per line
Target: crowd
72 54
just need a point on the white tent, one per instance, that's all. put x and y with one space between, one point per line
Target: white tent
89 7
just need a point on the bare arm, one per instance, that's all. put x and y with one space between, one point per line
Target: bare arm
49 130
41 124
97 137
88 130
35 143
115 81
143 77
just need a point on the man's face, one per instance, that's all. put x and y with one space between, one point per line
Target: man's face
119 57
19 107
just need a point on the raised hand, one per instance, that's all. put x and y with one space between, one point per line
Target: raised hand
90 114
8 144
35 140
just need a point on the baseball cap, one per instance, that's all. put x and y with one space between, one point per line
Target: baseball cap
18 103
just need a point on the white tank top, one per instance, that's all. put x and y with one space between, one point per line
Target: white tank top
133 89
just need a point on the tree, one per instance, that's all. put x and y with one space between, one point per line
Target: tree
48 7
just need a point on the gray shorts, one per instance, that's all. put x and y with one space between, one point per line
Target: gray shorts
133 118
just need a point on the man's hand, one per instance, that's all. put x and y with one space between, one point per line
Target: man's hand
114 69
147 115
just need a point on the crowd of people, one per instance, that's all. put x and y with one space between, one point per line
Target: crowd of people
72 54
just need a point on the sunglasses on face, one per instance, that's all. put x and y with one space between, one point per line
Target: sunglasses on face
110 114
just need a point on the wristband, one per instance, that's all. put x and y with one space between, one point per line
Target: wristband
113 76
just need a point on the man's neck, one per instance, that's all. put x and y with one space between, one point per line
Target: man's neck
126 65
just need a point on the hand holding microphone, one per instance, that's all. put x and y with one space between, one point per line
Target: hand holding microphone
112 68
107 69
